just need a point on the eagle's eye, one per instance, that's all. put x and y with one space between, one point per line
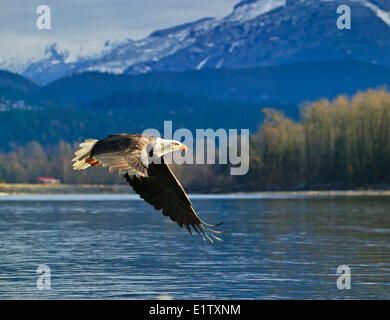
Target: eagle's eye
175 143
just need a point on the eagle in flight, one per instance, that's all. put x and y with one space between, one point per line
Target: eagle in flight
140 158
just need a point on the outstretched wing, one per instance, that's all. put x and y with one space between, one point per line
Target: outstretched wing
123 153
161 189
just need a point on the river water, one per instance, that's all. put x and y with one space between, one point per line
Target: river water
117 246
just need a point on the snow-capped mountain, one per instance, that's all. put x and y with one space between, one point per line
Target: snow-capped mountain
255 33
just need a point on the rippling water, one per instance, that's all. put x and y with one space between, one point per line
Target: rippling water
118 247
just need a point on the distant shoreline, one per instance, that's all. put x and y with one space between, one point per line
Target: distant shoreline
7 189
22 188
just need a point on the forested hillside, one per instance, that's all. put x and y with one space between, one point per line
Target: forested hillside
121 112
338 144
97 104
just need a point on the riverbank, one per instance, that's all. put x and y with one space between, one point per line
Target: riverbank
21 189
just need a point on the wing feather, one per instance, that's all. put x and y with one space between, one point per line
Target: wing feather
161 189
123 153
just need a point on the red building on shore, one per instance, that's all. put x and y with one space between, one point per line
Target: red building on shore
48 180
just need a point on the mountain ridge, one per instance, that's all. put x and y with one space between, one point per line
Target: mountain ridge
96 104
255 33
291 83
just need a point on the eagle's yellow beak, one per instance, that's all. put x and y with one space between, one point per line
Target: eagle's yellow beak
184 147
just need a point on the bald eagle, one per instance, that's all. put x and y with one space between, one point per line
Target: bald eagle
140 158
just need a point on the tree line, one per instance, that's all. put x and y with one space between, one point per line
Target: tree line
339 143
342 143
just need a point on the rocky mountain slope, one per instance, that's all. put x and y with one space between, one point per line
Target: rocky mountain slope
256 33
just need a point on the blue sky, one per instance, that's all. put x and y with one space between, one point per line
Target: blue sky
91 21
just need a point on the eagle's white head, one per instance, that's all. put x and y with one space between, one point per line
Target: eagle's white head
164 146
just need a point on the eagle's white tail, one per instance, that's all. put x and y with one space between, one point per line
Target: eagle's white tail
82 154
